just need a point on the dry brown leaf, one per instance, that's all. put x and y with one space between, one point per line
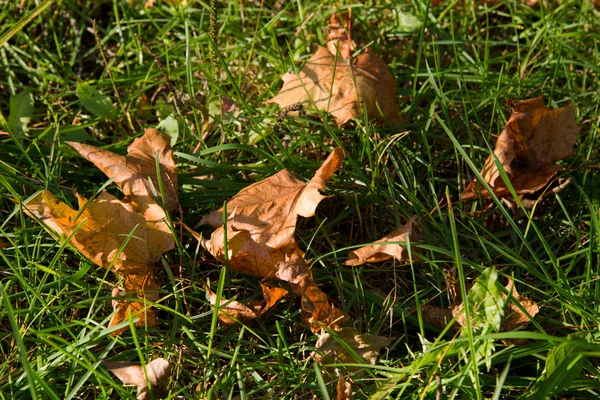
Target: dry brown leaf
339 42
513 317
344 389
340 86
4 243
232 311
261 223
329 351
99 229
158 372
135 173
262 218
317 311
534 138
381 252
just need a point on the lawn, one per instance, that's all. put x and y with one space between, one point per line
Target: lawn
203 72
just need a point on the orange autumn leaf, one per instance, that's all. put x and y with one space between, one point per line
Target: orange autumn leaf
344 389
385 251
514 317
231 311
317 311
269 208
99 229
332 82
157 371
127 236
534 138
135 173
261 223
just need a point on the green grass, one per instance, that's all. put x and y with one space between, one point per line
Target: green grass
455 66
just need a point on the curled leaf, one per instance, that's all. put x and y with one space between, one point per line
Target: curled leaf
510 317
158 372
381 252
126 236
534 138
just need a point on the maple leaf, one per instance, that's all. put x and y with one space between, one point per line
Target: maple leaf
333 83
533 139
136 173
99 229
261 222
158 372
513 316
127 236
381 252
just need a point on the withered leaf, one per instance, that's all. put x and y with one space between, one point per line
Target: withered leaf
534 138
261 223
317 311
136 173
99 229
344 389
262 218
232 311
381 252
328 349
513 317
158 372
331 82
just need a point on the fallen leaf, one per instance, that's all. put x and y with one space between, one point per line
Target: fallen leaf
136 173
328 349
126 236
99 229
158 372
331 82
534 138
338 39
317 311
232 311
344 389
261 222
268 209
381 252
513 317
262 218
4 243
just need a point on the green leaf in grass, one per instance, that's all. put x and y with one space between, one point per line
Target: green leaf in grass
95 102
21 111
170 126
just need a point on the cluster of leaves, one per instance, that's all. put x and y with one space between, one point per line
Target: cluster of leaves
255 232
